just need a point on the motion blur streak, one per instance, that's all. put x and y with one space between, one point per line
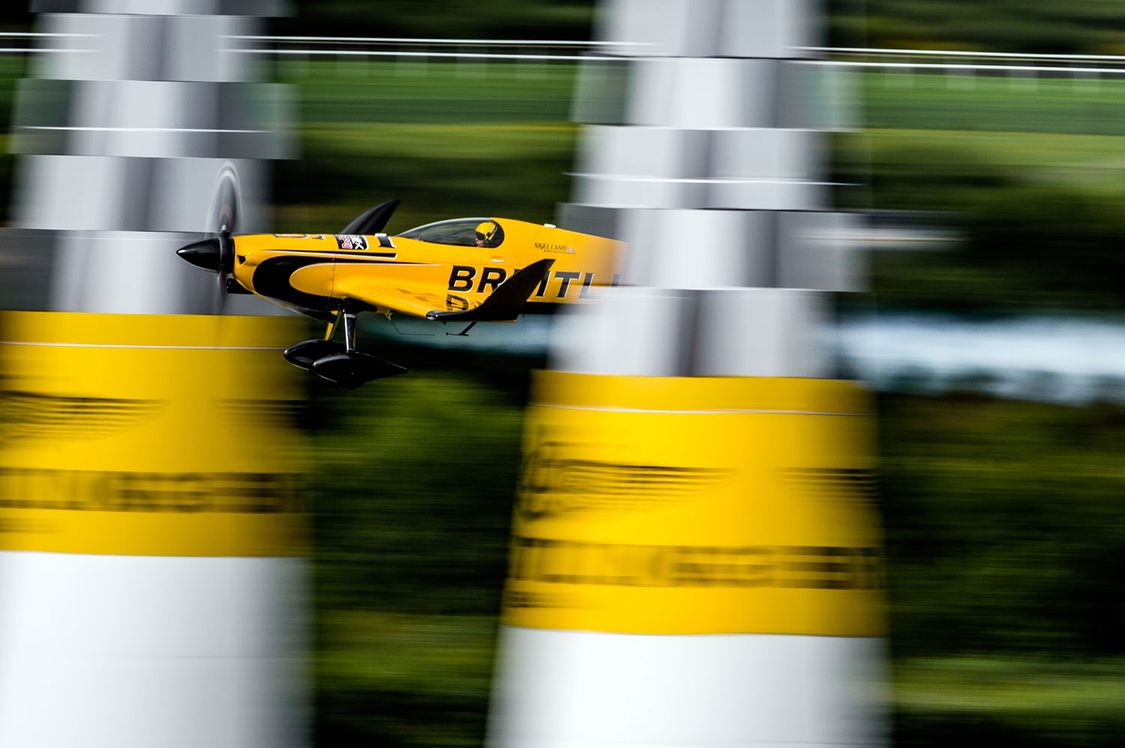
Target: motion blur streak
151 504
695 560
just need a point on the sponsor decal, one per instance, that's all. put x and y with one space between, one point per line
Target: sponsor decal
30 415
351 241
625 565
860 483
483 280
679 505
565 277
461 278
554 484
490 278
109 445
150 492
565 249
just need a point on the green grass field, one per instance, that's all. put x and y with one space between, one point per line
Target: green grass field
1011 701
437 92
998 104
1093 159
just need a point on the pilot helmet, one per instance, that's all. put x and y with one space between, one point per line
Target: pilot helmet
487 232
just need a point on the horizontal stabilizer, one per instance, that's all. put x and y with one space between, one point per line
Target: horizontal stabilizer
373 220
506 302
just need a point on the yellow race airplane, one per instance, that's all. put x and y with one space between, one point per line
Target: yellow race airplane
465 270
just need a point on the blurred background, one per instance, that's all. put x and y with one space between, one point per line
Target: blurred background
991 159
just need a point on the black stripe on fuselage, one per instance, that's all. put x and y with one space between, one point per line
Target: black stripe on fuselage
272 278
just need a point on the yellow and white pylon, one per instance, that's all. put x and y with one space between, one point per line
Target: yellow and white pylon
152 579
151 533
694 561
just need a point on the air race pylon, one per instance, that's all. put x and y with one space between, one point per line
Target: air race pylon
695 558
151 512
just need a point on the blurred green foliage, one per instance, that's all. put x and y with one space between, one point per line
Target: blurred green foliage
1076 26
389 679
12 69
449 19
412 489
393 529
1004 541
446 138
1039 214
1004 527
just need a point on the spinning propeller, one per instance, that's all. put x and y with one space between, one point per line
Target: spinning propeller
217 253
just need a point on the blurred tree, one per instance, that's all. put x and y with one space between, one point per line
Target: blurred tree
1077 26
413 506
1062 241
1003 527
451 19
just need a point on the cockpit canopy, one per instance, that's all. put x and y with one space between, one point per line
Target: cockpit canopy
461 232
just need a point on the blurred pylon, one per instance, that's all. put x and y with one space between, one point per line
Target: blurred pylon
151 513
695 560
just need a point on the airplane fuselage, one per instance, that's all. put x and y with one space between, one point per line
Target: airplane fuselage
313 272
463 270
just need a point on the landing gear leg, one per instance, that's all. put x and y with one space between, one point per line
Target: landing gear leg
330 332
349 330
351 368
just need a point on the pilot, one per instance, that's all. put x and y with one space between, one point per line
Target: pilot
487 234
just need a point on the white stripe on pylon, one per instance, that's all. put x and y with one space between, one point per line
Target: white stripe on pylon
87 641
564 689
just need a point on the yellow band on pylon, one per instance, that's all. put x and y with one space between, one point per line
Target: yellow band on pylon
148 435
656 505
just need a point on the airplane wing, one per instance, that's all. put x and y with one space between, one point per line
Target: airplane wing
412 299
422 300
